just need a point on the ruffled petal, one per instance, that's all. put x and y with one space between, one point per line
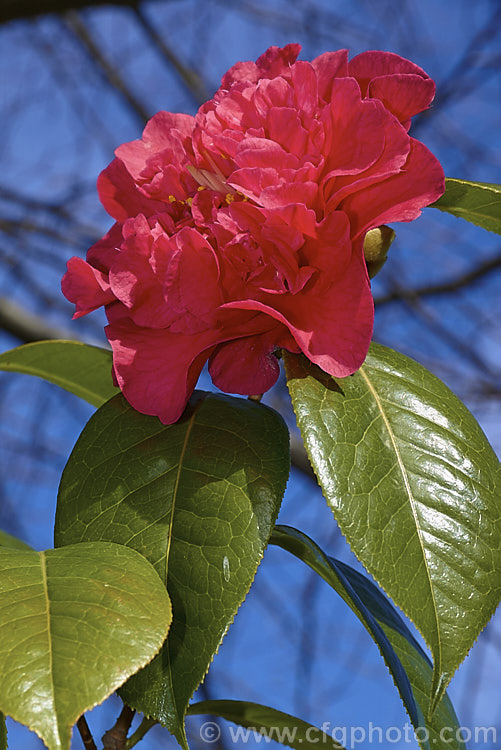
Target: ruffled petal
404 95
192 292
248 365
373 64
328 67
102 254
304 81
163 136
333 329
155 369
347 115
86 287
274 62
120 195
400 197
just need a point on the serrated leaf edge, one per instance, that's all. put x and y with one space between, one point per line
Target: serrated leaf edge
441 688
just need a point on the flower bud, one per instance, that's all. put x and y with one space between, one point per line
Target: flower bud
376 245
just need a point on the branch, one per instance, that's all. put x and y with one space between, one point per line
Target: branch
445 287
57 211
191 79
108 71
116 737
85 734
299 458
13 9
25 326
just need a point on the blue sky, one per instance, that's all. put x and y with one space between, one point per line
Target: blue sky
61 124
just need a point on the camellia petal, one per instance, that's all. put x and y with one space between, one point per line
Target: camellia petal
272 63
191 283
248 365
87 287
402 196
155 369
369 65
403 95
328 67
239 231
333 330
403 87
120 195
102 254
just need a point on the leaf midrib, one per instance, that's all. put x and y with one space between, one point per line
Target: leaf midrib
93 398
43 567
411 502
459 209
167 552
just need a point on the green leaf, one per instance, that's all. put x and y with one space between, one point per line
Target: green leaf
6 540
410 667
78 368
415 487
75 623
3 733
199 499
477 202
268 722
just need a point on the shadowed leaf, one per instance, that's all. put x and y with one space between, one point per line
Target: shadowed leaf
410 667
3 733
199 499
268 723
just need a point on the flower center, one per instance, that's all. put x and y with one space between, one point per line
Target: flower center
213 181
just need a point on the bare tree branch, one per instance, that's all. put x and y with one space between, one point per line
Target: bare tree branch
445 287
13 9
25 326
191 79
108 71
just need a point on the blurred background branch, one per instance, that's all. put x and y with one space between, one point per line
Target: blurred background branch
81 77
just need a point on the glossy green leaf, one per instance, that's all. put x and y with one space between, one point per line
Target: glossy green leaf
477 202
75 623
78 368
7 540
267 722
415 488
3 733
199 499
410 667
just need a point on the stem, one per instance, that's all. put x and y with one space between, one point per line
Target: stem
138 735
85 734
116 737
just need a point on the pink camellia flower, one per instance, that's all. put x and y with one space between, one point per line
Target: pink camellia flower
240 231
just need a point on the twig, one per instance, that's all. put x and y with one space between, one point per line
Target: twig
108 71
85 734
11 9
445 287
116 737
138 735
25 326
191 78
